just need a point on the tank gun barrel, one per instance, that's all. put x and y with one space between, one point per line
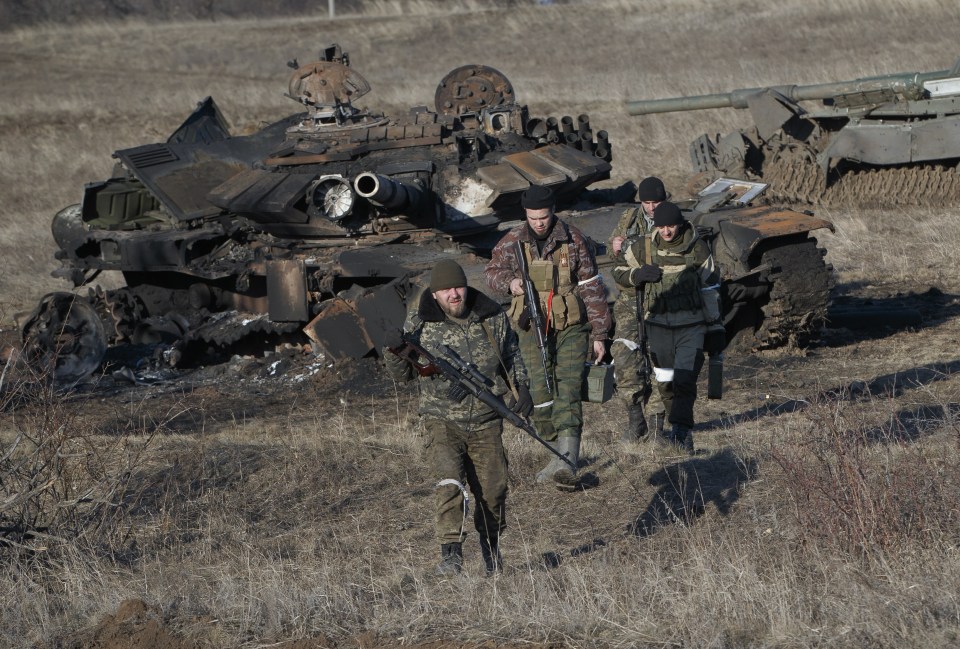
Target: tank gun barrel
899 83
394 196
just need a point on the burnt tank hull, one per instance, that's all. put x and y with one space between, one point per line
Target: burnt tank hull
309 228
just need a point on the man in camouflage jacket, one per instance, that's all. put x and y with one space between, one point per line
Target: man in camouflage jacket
680 281
464 445
577 318
635 391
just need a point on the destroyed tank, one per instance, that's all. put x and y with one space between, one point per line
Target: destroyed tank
884 140
308 229
316 227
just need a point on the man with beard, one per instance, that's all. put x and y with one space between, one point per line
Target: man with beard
676 271
464 443
573 301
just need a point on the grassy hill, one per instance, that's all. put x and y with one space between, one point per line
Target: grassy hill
229 509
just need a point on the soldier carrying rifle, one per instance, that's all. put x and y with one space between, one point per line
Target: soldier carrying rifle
674 269
464 446
572 307
630 356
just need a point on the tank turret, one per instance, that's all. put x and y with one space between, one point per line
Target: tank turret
901 125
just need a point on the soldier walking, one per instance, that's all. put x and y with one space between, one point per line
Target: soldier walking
635 389
680 281
464 445
572 299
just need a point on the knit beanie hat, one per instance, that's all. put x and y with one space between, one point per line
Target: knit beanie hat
537 197
651 190
667 214
447 274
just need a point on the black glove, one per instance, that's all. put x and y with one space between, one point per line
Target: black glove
714 341
522 405
646 273
393 338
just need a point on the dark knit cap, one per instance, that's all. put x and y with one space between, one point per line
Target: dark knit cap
667 214
651 189
537 197
447 274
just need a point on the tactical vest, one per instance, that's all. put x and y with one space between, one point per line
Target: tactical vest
554 281
679 288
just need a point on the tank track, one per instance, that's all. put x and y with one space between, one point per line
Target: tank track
232 332
799 296
798 181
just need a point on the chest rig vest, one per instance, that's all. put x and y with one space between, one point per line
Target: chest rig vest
554 281
679 288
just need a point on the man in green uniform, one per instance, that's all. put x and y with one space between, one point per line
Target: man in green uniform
464 443
572 298
634 390
680 283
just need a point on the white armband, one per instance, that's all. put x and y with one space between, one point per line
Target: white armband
592 279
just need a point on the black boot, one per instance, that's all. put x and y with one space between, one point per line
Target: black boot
682 438
490 550
659 434
636 424
451 559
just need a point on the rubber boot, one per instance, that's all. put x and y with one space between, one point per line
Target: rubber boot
636 424
490 550
566 478
451 559
546 473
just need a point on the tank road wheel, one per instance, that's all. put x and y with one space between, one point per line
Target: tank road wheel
64 338
800 293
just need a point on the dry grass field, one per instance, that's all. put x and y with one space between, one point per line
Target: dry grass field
230 510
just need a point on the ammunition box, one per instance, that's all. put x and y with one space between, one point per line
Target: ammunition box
597 383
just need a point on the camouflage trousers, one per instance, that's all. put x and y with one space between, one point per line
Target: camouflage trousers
566 358
476 460
626 356
680 351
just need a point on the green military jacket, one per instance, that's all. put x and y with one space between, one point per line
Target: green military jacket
688 292
470 340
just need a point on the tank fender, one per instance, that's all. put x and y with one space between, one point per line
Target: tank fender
740 231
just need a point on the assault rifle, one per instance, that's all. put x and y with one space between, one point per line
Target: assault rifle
465 379
645 368
533 311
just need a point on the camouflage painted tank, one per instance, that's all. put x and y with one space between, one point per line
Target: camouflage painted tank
891 139
308 227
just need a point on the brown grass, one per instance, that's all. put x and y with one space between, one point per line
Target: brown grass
814 516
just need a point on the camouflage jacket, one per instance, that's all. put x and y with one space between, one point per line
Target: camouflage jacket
430 326
503 268
633 224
